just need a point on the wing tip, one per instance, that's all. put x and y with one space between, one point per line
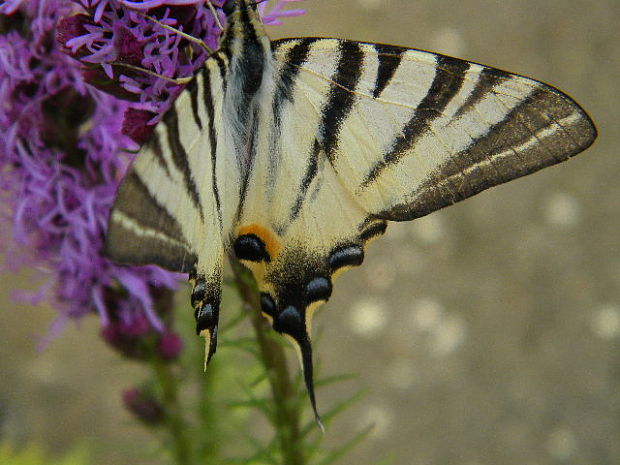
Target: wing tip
588 131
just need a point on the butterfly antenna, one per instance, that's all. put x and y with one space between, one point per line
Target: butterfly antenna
189 37
179 81
215 15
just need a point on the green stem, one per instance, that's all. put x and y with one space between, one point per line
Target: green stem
209 445
287 412
174 423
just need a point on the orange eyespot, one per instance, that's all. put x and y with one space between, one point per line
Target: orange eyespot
269 238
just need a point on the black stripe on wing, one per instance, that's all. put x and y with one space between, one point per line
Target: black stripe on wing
192 88
341 95
180 157
296 56
208 102
311 171
389 60
487 81
222 65
544 129
154 144
141 231
250 160
446 84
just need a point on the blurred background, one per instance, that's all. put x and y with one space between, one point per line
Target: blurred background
486 333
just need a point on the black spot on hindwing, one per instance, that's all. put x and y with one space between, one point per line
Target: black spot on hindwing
291 321
251 248
341 257
268 305
372 230
318 289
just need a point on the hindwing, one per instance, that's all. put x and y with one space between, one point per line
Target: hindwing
168 204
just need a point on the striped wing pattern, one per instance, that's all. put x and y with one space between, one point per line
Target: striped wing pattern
359 134
409 132
296 153
169 209
169 201
353 135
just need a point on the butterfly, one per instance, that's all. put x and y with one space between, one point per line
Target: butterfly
295 154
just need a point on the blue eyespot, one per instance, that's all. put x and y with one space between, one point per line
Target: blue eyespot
318 289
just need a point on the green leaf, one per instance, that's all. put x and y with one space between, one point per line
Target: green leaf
334 411
328 380
339 452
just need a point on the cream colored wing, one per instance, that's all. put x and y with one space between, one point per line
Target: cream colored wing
409 132
176 205
354 134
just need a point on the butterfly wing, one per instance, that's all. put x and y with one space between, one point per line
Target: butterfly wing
170 208
409 132
355 134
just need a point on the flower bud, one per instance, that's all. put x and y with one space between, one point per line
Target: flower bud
128 47
135 125
70 27
169 346
130 338
143 406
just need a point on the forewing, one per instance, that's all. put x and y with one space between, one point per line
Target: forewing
409 132
168 208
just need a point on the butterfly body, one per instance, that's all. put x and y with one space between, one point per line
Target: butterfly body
294 154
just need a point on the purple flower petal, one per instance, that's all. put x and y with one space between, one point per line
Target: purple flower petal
64 145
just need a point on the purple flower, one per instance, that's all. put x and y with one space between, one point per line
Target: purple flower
169 346
144 406
74 100
135 124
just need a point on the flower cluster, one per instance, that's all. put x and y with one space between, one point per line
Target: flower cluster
70 74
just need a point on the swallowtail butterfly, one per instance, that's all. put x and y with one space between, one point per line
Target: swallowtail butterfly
296 153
